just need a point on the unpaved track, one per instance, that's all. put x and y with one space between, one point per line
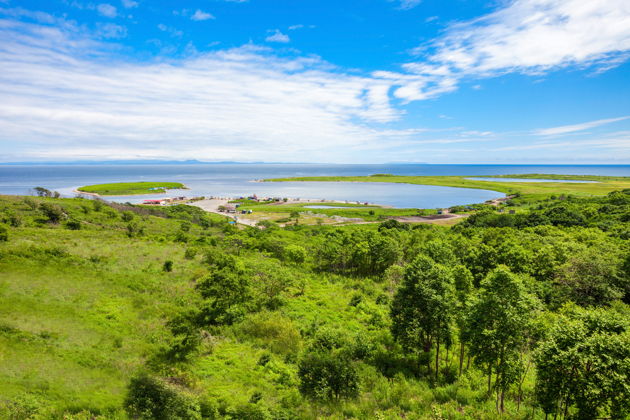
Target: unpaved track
212 205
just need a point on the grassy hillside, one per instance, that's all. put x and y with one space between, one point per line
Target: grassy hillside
107 310
131 188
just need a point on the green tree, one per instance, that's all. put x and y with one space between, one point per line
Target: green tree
496 328
43 192
463 281
423 309
327 376
591 277
585 364
225 291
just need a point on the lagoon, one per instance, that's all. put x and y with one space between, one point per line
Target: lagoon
233 180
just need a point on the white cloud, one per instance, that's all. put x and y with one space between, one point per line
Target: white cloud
170 30
110 31
409 4
565 129
526 36
106 10
129 4
277 36
239 104
536 35
294 27
200 15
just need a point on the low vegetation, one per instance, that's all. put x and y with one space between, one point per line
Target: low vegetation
131 188
111 311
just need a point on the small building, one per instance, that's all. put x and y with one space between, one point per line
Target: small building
153 202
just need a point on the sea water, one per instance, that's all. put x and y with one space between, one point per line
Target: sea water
235 180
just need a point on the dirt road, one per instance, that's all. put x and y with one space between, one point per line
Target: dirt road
212 205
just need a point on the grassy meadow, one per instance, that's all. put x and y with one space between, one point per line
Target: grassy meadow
131 188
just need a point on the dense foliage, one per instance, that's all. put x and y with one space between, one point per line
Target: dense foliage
172 313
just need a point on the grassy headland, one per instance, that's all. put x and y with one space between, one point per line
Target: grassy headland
131 188
526 190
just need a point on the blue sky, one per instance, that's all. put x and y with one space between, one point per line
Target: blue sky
371 81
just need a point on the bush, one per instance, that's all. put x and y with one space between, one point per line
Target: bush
275 332
190 253
53 212
4 233
356 299
250 412
168 266
73 224
325 376
152 398
30 203
295 253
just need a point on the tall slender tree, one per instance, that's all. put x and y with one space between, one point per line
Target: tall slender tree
496 328
423 309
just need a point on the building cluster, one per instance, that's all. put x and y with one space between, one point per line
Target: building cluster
164 201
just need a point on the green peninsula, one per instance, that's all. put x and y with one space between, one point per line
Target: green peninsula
131 188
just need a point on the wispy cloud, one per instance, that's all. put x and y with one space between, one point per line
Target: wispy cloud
110 31
526 36
176 33
409 4
200 15
245 103
129 4
565 129
277 36
106 10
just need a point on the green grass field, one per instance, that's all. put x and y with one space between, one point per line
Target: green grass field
367 213
527 190
131 188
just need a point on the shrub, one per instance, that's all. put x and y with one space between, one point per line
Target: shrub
356 299
127 216
250 412
168 266
324 376
12 219
152 398
295 253
30 203
4 233
53 212
190 253
73 224
273 331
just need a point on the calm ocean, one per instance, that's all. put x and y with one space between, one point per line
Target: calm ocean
238 180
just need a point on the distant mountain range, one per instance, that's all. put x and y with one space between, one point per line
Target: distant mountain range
134 162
